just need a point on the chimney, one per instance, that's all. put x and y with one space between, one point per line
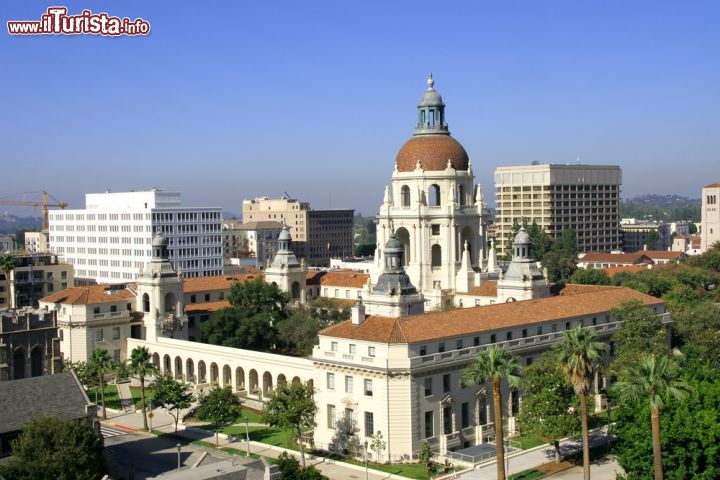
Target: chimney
644 247
358 313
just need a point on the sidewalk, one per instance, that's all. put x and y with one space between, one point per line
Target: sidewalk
163 422
527 459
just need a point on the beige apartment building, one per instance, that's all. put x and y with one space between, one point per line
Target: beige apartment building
35 275
318 235
585 198
710 217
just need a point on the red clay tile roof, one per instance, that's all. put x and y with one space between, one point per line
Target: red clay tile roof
206 307
713 185
433 153
663 254
612 271
487 289
216 282
627 258
89 295
337 278
465 321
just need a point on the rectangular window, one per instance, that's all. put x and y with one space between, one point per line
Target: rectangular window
428 424
99 335
441 347
423 350
539 330
369 424
446 382
334 346
567 325
428 386
348 384
447 420
476 341
116 333
435 228
493 338
113 308
96 310
116 355
353 348
331 416
508 336
331 381
207 297
465 415
524 333
459 344
368 387
371 351
192 299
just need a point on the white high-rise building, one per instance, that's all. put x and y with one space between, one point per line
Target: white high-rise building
109 241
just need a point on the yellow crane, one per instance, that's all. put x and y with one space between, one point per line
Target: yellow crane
43 203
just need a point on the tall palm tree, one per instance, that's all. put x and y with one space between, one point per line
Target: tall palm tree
495 365
101 364
654 378
7 265
579 354
141 365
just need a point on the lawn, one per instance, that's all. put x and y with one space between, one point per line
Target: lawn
527 475
269 435
112 400
525 442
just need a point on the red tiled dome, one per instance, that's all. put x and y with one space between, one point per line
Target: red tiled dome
433 153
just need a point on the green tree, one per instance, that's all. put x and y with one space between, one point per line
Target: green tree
51 447
233 327
549 404
561 261
142 367
173 396
699 326
292 407
291 470
652 239
541 241
579 354
219 406
121 371
590 277
655 378
101 365
255 297
298 333
494 365
642 332
377 444
84 372
690 428
424 455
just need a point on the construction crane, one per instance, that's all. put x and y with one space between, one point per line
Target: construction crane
34 203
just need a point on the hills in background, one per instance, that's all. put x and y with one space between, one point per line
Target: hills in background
666 208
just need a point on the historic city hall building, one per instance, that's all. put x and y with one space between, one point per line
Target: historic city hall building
392 367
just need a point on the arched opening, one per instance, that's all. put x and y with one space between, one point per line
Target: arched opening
434 195
281 380
296 380
253 381
404 237
239 379
214 374
461 194
167 365
295 289
36 361
467 236
190 370
19 364
202 372
227 376
405 196
267 383
178 368
156 360
170 301
146 302
436 256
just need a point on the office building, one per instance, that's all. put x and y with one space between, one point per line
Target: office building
109 241
585 198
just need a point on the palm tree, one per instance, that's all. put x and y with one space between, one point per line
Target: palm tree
141 365
655 377
579 354
495 365
7 265
101 364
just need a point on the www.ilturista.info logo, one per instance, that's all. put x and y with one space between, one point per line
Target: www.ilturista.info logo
57 22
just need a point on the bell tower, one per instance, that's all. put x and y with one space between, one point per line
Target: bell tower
285 270
160 295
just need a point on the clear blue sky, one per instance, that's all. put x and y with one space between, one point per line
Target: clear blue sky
226 99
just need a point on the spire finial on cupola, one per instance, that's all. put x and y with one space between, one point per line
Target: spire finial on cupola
430 82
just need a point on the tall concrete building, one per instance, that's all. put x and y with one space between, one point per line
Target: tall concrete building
585 198
710 216
318 235
109 241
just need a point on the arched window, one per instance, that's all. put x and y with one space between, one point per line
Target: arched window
170 302
146 302
404 237
18 364
405 196
434 195
436 252
461 195
36 362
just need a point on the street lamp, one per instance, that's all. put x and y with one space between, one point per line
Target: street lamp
247 436
366 460
178 446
